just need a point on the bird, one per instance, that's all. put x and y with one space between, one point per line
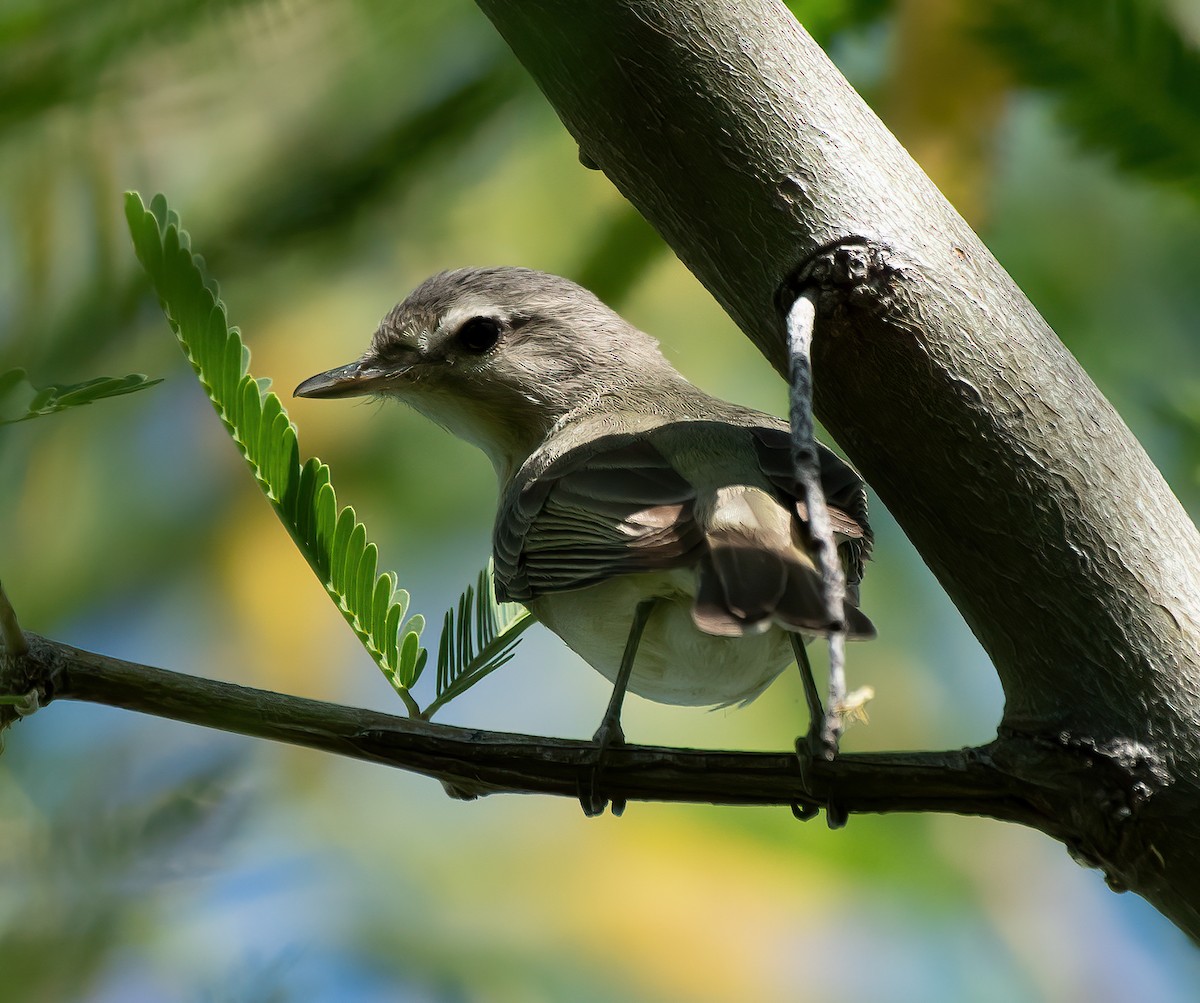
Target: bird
659 531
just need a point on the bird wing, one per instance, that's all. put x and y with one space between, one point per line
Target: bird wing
613 506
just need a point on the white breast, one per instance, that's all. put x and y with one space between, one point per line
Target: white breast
676 663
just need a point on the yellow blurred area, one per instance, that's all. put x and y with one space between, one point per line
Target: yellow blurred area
946 98
697 918
282 624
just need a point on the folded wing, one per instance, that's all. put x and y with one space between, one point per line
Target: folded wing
615 506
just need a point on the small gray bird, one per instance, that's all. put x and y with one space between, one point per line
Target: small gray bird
660 532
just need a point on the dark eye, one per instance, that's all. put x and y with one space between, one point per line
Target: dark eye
479 334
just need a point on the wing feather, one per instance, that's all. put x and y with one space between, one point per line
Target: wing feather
614 505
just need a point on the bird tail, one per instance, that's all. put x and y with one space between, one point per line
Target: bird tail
758 572
738 593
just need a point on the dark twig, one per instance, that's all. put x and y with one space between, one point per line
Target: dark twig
801 321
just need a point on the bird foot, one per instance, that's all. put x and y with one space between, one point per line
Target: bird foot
819 746
591 798
821 740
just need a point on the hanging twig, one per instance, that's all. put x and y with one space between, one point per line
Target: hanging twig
801 322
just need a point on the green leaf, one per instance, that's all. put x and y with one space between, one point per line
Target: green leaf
412 659
333 541
21 401
1126 79
477 638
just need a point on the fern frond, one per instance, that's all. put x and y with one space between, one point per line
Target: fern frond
20 400
477 638
1126 78
332 540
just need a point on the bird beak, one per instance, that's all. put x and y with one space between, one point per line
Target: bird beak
358 378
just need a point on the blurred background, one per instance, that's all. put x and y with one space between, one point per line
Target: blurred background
326 156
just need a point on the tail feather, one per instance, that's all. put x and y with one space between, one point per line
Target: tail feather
758 574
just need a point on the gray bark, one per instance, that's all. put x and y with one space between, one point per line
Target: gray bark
1041 515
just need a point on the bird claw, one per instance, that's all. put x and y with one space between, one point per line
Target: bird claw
820 742
815 747
610 732
591 800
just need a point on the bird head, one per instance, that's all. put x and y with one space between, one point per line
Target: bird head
498 356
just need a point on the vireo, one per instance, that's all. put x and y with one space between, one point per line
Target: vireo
629 499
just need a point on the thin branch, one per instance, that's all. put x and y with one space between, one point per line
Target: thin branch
471 763
801 324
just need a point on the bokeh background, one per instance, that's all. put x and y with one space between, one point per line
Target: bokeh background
326 155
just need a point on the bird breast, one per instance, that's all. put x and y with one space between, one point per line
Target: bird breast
675 663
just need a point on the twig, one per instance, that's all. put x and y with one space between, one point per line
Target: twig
801 322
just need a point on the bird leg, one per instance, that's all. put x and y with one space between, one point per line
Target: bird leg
820 743
610 732
814 741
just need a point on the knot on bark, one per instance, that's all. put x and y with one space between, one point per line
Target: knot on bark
1104 786
848 275
26 680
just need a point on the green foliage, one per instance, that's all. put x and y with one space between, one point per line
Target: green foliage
476 640
332 540
57 51
68 67
474 643
20 400
619 255
1126 80
316 187
825 18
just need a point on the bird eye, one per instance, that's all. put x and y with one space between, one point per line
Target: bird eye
479 334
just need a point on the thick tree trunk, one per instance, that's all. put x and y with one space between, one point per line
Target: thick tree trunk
731 131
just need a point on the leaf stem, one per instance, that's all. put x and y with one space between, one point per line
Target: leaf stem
411 705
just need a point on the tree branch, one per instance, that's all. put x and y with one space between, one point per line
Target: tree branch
1041 515
472 763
